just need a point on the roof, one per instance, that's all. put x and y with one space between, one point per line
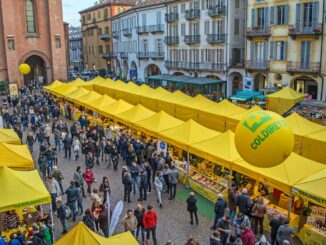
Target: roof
186 79
107 3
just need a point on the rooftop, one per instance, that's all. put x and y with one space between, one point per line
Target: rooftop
107 3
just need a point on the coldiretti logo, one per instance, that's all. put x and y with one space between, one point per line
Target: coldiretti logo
256 120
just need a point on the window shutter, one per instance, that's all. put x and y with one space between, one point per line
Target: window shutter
298 21
265 51
272 17
286 14
252 51
315 7
284 50
266 17
271 50
253 18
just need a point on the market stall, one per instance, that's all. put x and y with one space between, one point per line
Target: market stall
232 121
87 98
9 136
16 156
314 145
63 89
150 100
53 85
102 101
109 87
168 103
115 108
133 115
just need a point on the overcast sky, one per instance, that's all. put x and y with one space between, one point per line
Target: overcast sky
71 9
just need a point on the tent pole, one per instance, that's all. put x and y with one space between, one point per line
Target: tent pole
52 222
290 205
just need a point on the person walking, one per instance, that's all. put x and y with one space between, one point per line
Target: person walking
139 214
259 211
143 185
89 179
57 139
115 157
78 178
166 172
89 160
88 219
67 143
54 190
76 146
134 171
103 220
148 170
72 198
159 184
223 226
232 203
173 181
58 176
105 188
150 221
30 141
62 215
219 209
275 223
284 232
192 207
127 182
130 222
243 202
247 236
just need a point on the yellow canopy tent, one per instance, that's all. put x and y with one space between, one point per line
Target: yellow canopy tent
79 92
78 82
21 189
312 188
150 100
109 87
215 117
63 89
129 93
314 146
301 127
189 109
102 101
53 85
89 85
283 100
87 99
115 108
80 234
16 156
135 114
187 134
284 175
232 121
9 136
157 123
168 103
220 149
145 89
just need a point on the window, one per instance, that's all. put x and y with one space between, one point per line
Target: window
57 42
84 19
145 45
143 19
99 30
30 16
106 30
11 43
107 48
206 29
159 45
99 14
236 27
158 18
279 15
183 30
237 4
100 49
280 50
183 8
88 16
105 14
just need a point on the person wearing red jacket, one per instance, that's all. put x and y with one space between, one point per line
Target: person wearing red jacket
247 236
89 179
150 222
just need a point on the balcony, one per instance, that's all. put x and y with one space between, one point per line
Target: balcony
215 38
192 14
216 11
127 32
105 37
257 65
219 67
142 29
156 28
143 55
124 55
156 55
299 30
192 39
171 17
109 55
116 35
236 63
306 68
170 40
258 31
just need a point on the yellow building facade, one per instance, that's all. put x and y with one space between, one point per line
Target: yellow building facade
285 45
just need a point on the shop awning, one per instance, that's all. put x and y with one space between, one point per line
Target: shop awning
247 95
63 89
215 116
314 146
283 176
16 157
312 188
79 92
220 149
80 234
20 189
115 108
157 123
87 99
187 134
53 85
283 100
185 79
135 114
150 100
9 136
103 101
78 82
232 121
301 127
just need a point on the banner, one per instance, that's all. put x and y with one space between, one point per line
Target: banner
1 122
161 147
108 206
115 217
13 89
248 83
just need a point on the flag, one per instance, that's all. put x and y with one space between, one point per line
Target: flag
115 217
108 206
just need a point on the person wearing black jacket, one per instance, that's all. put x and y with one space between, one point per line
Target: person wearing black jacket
275 223
115 157
149 174
219 210
139 214
97 153
143 185
67 143
72 196
192 207
127 182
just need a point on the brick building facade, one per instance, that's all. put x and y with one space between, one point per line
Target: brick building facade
32 31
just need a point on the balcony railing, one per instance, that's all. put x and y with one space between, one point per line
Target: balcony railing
257 65
216 11
192 39
215 38
143 55
116 34
299 29
303 67
142 29
196 66
236 63
170 17
105 37
156 55
124 55
127 32
192 14
109 55
171 40
258 31
156 28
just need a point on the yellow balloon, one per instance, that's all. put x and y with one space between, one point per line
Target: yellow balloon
264 139
24 69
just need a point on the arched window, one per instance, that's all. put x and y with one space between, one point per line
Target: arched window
30 16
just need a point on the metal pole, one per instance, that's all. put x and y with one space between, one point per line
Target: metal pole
52 222
290 205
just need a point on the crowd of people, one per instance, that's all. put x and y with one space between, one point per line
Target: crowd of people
143 171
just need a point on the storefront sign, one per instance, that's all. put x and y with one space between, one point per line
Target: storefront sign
312 198
248 83
133 74
33 202
161 147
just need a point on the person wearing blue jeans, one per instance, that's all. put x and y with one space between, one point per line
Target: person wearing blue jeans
134 172
61 214
72 197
